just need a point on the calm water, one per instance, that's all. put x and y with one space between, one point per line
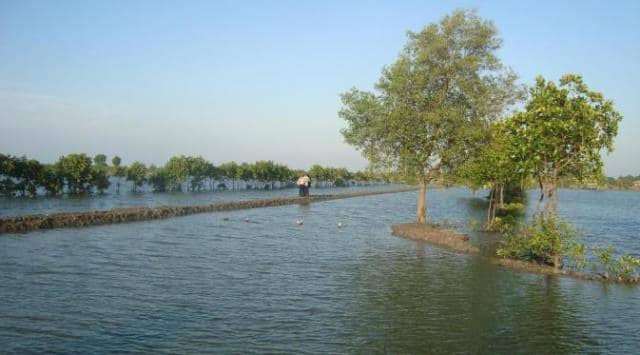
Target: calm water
205 284
126 198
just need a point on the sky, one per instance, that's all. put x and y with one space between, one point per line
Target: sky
260 80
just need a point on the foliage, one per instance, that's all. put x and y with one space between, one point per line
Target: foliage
116 161
507 218
493 166
77 172
431 106
100 160
19 175
562 132
624 268
158 178
137 173
99 178
197 170
546 239
52 180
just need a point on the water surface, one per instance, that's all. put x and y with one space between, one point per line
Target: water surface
216 283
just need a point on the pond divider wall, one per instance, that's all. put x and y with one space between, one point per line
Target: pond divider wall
27 223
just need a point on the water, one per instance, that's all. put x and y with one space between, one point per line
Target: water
126 198
205 284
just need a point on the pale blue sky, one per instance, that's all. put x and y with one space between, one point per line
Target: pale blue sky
260 80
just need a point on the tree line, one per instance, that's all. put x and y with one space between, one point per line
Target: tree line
81 174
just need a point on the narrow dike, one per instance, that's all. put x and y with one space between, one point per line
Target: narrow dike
459 243
28 223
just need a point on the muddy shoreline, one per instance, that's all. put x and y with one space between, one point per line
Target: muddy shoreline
28 223
459 242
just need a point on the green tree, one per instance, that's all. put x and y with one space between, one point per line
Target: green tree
100 160
213 173
100 179
177 170
52 180
118 171
158 178
116 161
197 171
562 132
493 166
137 174
77 172
432 105
247 172
317 173
231 170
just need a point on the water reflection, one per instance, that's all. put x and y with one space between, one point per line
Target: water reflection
427 301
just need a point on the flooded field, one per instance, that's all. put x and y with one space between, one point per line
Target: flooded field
254 280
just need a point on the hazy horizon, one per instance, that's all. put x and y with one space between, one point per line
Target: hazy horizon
260 81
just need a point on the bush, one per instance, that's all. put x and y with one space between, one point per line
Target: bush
625 268
547 240
515 209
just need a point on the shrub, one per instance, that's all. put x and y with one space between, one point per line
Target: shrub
507 218
547 240
624 268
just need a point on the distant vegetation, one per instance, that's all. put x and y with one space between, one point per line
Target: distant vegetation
80 174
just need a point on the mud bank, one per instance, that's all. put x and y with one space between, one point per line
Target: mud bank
444 238
23 224
459 243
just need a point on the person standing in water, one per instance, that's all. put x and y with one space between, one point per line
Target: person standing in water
303 185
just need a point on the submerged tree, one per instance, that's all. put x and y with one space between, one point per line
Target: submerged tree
77 172
432 106
562 132
100 160
118 171
137 174
177 170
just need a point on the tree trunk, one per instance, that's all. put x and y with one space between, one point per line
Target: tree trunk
557 262
489 211
554 186
421 213
541 196
551 198
502 196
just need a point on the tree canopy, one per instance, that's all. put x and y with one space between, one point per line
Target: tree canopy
432 106
562 133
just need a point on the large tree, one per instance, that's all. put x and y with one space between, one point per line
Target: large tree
432 106
562 133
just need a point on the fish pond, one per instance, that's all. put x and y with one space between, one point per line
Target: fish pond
256 281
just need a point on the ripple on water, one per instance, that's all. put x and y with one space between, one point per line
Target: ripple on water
202 283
